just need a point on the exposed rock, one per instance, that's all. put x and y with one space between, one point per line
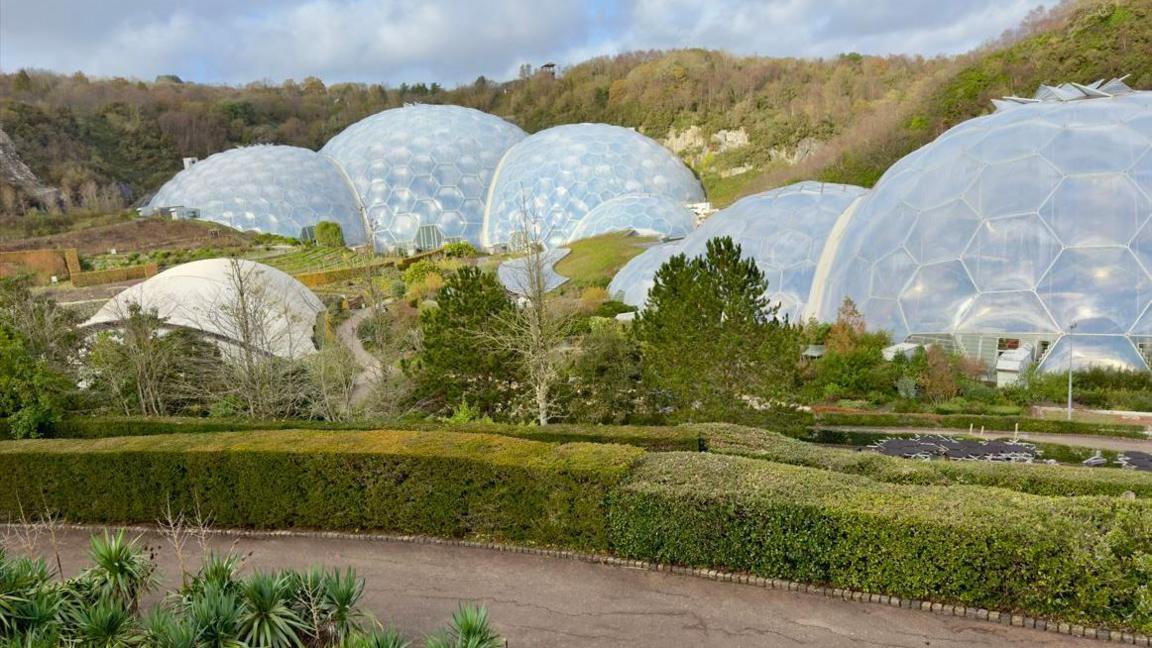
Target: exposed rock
805 148
14 172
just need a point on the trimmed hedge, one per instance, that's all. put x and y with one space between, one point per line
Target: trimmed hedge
1038 479
443 484
962 421
113 275
658 438
1082 559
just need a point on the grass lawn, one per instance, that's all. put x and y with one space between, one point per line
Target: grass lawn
594 261
312 259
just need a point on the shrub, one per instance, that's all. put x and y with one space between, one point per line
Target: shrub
1084 559
1038 479
444 484
329 234
459 250
415 273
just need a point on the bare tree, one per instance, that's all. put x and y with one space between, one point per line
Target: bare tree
334 372
536 331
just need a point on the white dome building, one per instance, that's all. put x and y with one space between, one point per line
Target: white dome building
203 296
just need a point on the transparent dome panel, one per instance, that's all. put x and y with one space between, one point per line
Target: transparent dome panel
272 189
423 165
557 176
1093 351
646 214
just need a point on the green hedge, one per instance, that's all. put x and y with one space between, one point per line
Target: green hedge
963 421
443 484
1038 479
1083 559
658 438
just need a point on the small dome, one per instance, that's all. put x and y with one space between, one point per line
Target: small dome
199 295
423 166
645 214
782 230
561 174
272 189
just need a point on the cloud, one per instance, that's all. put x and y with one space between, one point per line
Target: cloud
453 41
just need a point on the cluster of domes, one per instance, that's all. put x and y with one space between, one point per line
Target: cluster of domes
1028 226
420 176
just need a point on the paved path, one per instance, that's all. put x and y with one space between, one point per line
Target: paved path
539 601
1078 440
346 333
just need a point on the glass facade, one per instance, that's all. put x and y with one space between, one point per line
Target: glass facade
273 189
783 230
1033 222
553 179
423 166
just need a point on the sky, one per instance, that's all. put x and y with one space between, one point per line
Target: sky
455 41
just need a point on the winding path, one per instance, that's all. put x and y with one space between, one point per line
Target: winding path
540 601
370 366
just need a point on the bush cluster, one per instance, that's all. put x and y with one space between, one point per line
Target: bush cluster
1037 479
444 484
1086 559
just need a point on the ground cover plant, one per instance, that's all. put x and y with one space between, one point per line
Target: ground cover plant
214 606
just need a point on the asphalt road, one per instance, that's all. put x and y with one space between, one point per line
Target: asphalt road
1078 440
540 601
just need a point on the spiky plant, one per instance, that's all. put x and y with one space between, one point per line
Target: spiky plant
215 615
122 572
218 572
267 620
469 629
342 594
28 599
307 592
103 624
382 638
163 630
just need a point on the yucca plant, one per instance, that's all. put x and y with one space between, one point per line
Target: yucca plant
122 572
163 630
267 620
215 616
383 638
342 594
103 624
218 572
27 601
469 629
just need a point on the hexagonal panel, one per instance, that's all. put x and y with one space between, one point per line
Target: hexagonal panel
1102 209
1007 312
1099 290
942 233
1096 149
1015 187
891 274
1089 351
936 297
1011 253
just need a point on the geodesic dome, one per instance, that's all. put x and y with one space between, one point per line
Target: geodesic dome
267 188
645 214
422 171
1024 225
782 230
201 295
562 173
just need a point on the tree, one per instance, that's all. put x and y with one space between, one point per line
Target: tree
849 327
329 234
606 377
711 341
453 364
31 393
536 330
47 331
939 375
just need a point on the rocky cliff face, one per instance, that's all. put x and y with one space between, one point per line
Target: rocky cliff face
15 173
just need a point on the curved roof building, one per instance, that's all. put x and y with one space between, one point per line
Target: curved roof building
645 214
422 171
561 174
1032 224
202 295
273 189
783 230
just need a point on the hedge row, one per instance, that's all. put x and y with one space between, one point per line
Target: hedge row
324 277
113 275
1038 479
443 484
1082 559
658 438
963 421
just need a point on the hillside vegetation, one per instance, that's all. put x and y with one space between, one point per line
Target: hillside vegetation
743 123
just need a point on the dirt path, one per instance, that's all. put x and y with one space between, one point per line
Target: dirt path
1078 440
346 333
540 601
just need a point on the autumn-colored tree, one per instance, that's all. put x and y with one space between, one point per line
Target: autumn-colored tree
939 376
845 333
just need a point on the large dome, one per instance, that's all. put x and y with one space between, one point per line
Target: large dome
201 294
423 166
783 230
562 173
645 214
273 189
1021 226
